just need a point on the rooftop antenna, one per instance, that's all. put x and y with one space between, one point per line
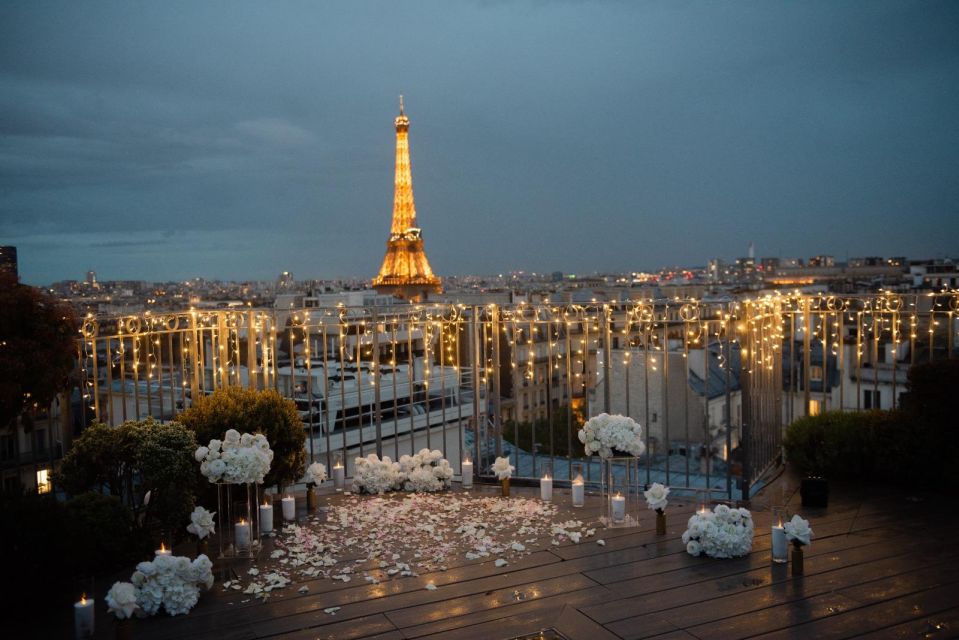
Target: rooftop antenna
401 104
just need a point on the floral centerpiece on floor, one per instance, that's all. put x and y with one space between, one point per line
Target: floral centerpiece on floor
237 459
426 471
373 475
171 582
723 532
800 534
656 500
315 474
609 435
503 471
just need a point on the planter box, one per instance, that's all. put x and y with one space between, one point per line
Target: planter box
814 492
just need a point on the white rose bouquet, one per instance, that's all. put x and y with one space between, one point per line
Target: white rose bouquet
316 473
237 459
656 497
503 469
122 600
426 471
173 582
201 523
798 531
372 475
720 533
605 434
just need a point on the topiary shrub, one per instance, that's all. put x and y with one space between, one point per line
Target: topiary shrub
249 411
131 460
103 527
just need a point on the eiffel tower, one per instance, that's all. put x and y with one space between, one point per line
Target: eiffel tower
405 272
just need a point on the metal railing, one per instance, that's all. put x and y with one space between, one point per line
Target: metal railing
713 382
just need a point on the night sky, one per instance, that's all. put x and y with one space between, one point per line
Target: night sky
235 140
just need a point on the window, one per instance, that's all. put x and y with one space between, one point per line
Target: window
43 481
40 441
654 417
871 399
7 447
815 407
815 373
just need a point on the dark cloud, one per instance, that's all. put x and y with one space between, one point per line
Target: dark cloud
249 138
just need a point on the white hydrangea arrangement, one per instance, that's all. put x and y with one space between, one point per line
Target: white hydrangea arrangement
723 532
171 582
421 472
798 531
656 497
237 459
315 473
503 469
373 475
605 434
426 471
201 523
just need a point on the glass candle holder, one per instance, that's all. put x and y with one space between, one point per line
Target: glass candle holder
780 546
546 482
577 485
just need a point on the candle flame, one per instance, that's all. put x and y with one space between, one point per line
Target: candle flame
618 495
578 480
467 460
546 477
242 521
162 546
83 598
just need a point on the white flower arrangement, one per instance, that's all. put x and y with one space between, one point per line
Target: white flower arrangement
122 600
173 582
373 475
201 523
656 497
605 434
798 531
503 469
720 533
316 473
237 459
426 471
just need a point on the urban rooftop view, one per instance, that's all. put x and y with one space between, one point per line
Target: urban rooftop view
667 346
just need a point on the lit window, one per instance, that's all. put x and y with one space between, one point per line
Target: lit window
43 481
815 373
815 407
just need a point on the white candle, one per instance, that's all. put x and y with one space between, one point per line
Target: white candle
339 477
242 534
546 488
618 508
163 551
83 617
579 492
289 508
266 518
467 474
779 543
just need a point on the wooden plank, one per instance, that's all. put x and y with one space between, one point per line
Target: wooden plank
944 624
376 625
470 603
571 598
782 590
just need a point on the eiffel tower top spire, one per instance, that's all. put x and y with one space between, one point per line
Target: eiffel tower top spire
405 272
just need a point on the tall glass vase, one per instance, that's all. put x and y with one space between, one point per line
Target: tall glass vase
621 491
224 518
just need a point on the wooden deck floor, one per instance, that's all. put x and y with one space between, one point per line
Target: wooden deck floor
882 565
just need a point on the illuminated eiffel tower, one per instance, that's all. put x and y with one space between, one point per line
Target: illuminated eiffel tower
405 272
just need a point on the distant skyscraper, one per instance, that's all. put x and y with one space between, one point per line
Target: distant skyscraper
405 272
92 278
8 261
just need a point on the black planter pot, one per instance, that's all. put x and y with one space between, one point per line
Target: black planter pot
814 492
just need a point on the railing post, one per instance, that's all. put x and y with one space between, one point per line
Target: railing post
807 354
492 379
376 381
474 361
607 356
745 383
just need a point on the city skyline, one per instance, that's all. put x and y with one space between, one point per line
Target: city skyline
165 142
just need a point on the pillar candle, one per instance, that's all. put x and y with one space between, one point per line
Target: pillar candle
546 488
467 474
266 518
242 534
339 477
579 492
618 504
289 508
779 544
163 551
83 617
